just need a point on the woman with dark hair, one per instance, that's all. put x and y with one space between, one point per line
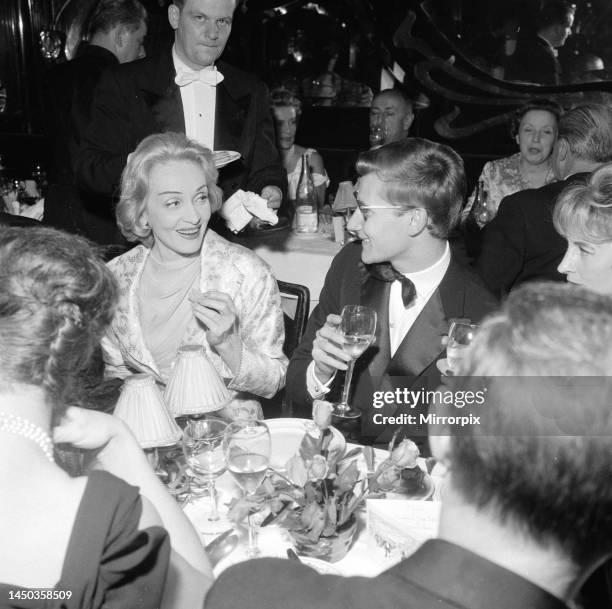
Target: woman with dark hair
92 541
287 109
185 284
583 215
534 128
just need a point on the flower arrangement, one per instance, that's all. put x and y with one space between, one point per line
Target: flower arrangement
316 496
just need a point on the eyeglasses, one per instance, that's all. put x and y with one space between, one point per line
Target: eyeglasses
395 207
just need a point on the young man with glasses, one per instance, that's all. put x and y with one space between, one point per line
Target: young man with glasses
410 195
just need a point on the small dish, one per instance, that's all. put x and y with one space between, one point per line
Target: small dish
221 158
443 367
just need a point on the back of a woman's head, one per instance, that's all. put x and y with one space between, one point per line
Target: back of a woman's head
56 299
584 210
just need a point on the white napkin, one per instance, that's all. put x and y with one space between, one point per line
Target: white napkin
242 206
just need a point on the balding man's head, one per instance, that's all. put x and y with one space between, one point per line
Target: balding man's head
392 111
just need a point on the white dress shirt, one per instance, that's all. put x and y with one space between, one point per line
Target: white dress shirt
400 318
425 283
199 103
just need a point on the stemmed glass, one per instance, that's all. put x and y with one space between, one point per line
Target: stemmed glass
460 336
378 134
203 450
358 325
247 452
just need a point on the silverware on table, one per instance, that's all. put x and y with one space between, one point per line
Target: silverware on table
292 555
221 546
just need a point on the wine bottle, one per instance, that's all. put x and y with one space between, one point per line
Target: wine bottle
306 201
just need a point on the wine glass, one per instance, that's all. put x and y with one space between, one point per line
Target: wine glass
203 450
247 452
460 336
378 134
358 325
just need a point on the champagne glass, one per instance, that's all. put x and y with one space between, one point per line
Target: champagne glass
358 324
460 336
247 452
378 134
203 450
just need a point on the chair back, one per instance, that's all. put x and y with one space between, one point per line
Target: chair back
296 307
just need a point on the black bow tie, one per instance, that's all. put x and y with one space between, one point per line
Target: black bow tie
385 272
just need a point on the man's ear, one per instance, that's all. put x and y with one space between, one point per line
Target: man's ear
119 36
440 447
408 120
174 13
418 219
563 150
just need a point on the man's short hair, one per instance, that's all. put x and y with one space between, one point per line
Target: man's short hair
555 487
555 13
420 173
181 3
587 129
399 94
110 13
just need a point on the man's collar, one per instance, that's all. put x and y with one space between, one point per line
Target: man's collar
465 579
430 277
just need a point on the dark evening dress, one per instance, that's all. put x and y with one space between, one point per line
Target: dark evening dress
109 563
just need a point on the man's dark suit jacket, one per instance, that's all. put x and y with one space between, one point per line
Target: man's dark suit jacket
534 61
68 97
521 244
439 575
141 98
460 295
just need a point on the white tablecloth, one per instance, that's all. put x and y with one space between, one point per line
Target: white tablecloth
367 556
294 258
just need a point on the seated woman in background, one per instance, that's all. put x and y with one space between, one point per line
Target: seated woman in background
583 215
535 131
187 285
95 538
287 109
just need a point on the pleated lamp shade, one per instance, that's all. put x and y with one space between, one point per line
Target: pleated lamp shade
142 408
195 387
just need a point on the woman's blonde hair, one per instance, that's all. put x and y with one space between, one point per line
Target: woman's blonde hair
584 210
155 149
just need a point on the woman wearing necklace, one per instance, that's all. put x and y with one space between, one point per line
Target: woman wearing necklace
535 131
186 285
287 109
91 541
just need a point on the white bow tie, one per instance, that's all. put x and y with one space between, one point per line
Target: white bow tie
209 75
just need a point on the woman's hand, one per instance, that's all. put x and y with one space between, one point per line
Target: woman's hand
328 352
216 311
87 429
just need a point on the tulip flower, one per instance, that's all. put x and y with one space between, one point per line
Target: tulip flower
405 454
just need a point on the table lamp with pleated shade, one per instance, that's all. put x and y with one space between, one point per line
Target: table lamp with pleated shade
195 387
142 408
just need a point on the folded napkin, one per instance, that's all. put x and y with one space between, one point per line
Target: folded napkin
242 206
396 528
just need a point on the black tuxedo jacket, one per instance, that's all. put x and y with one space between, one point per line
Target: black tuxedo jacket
534 61
460 295
68 96
521 244
141 98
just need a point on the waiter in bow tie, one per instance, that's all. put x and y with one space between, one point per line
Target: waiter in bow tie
184 88
409 196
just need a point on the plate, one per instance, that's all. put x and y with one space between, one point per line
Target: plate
221 158
443 367
286 436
